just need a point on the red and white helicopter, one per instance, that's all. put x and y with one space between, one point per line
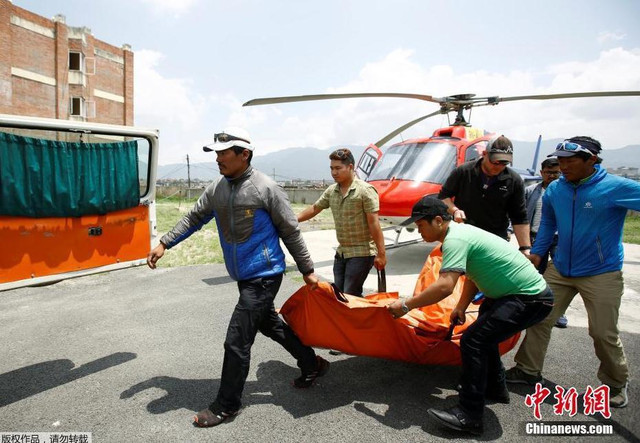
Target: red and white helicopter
406 171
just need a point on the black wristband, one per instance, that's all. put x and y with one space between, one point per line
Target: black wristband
524 248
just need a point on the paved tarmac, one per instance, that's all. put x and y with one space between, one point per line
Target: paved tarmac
131 355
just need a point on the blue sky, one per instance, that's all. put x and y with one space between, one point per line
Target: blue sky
197 61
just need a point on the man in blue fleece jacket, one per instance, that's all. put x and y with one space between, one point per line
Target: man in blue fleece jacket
252 214
587 207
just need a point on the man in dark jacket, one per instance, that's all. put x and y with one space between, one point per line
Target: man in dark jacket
252 214
587 208
487 194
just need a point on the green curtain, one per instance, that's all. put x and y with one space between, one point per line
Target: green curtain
46 178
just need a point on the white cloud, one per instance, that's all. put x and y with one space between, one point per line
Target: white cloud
187 119
362 121
606 37
176 7
169 104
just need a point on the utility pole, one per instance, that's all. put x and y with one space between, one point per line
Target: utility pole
188 178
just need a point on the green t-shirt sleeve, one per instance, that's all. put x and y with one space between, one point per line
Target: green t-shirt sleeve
370 200
323 201
454 255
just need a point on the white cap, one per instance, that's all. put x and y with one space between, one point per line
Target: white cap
238 137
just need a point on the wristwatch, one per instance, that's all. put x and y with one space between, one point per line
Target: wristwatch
405 308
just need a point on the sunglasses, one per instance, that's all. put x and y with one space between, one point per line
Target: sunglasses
572 147
223 138
500 162
343 153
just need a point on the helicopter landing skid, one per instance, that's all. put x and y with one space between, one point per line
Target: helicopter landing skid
396 243
404 243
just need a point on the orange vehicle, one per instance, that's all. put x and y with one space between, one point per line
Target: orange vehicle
76 198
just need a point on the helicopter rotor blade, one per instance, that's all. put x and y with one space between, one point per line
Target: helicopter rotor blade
532 171
569 95
392 134
305 98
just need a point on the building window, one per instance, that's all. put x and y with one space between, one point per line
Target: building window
75 61
76 106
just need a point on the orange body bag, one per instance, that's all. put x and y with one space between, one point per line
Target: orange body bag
362 326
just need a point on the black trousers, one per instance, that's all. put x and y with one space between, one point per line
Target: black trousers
255 312
498 320
349 274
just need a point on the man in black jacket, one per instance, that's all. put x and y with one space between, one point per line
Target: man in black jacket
487 193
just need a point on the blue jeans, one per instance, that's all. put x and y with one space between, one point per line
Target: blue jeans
255 312
349 274
498 320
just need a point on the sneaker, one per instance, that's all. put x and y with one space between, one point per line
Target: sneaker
618 397
562 322
517 375
306 380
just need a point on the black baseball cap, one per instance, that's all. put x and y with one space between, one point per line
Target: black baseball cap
427 206
500 149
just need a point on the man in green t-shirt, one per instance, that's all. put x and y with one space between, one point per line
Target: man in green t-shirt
516 297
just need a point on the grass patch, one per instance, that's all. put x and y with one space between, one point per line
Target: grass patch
631 232
320 222
204 246
201 248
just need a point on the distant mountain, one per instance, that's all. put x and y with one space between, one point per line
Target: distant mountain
313 163
287 164
611 158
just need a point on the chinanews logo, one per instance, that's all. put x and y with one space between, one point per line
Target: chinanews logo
594 401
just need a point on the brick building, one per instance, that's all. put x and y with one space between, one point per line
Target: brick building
49 69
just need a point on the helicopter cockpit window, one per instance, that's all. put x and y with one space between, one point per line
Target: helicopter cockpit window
427 162
474 151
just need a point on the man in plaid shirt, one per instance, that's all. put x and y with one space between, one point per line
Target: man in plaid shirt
354 204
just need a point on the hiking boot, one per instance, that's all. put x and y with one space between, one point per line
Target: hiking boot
307 379
456 418
517 375
212 417
618 397
562 322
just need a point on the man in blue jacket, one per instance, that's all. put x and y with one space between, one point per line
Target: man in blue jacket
252 214
587 207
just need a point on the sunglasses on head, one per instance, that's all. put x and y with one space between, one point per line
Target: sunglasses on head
572 147
223 138
342 153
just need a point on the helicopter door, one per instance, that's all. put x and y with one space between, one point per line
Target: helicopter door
474 150
367 161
